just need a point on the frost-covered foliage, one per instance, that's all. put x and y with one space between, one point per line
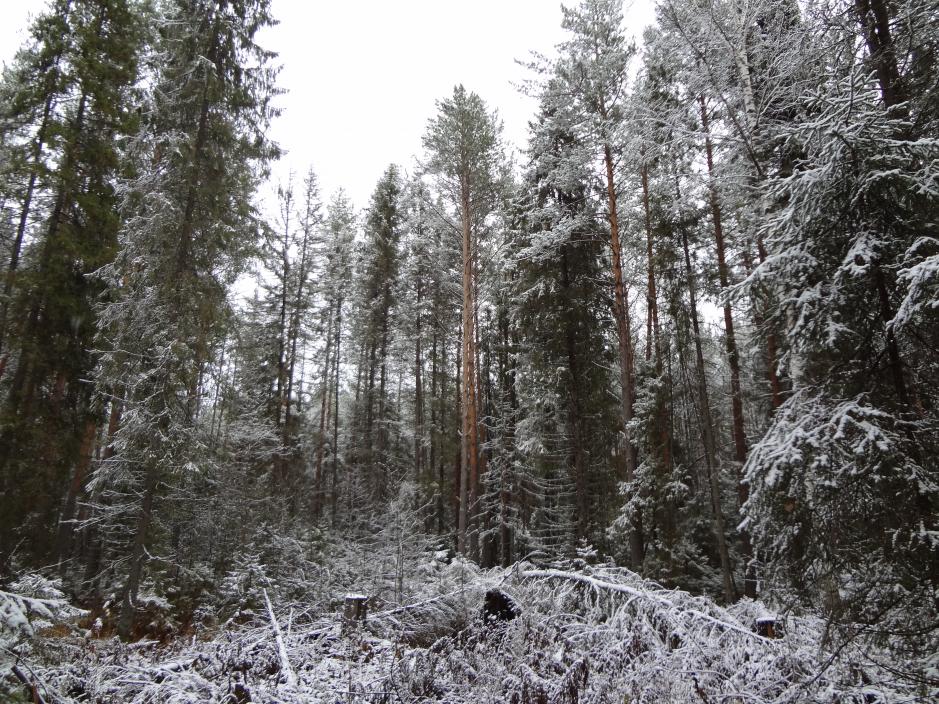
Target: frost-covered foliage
841 507
563 634
31 608
188 229
31 603
844 488
854 213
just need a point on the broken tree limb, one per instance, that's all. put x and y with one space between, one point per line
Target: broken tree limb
32 687
289 675
602 585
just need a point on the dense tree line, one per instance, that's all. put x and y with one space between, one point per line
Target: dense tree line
694 330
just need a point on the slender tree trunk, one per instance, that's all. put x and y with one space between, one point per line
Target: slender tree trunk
321 441
772 344
295 322
418 388
582 493
442 420
733 354
707 428
432 450
334 498
26 207
23 387
138 556
382 441
76 486
21 229
476 482
215 418
460 476
636 547
893 350
470 450
368 444
652 330
281 460
874 16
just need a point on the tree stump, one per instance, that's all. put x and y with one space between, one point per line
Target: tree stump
354 611
769 627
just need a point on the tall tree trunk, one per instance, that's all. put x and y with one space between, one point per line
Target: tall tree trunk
474 509
772 341
621 314
334 494
418 387
733 354
324 405
293 335
382 435
138 556
368 443
35 157
22 390
707 428
443 416
874 17
434 420
459 469
76 487
470 449
17 245
281 460
652 331
575 413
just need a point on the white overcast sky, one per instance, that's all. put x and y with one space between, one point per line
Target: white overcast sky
362 75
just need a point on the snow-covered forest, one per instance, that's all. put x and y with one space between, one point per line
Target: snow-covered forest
649 413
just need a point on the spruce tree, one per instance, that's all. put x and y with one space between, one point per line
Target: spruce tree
71 108
592 70
334 290
377 276
850 243
559 306
189 226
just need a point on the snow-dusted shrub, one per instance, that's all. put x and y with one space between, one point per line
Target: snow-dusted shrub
31 603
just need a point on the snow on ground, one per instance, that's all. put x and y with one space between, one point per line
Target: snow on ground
584 634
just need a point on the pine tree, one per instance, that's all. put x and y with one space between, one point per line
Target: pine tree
592 70
463 146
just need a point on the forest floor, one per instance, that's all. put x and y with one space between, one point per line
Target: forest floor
529 634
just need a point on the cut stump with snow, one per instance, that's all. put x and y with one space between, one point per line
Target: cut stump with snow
354 610
769 627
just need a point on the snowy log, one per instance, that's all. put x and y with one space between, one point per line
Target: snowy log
644 594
